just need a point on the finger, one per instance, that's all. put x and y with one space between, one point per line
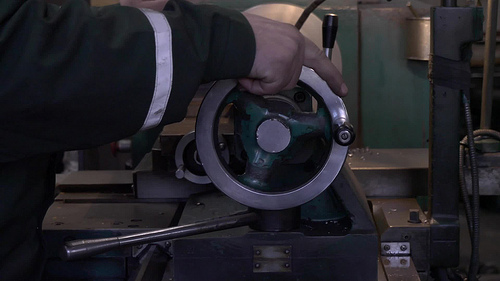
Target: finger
294 76
296 69
316 59
252 85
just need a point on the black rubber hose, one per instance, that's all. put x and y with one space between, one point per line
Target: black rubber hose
303 17
463 186
474 259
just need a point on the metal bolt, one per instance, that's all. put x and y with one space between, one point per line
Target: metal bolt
403 248
179 173
222 146
299 97
387 247
287 251
257 265
403 261
287 265
257 252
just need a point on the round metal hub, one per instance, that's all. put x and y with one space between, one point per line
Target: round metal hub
273 136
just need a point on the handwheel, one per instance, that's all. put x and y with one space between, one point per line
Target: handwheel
288 155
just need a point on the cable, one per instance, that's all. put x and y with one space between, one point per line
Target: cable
305 14
474 216
472 208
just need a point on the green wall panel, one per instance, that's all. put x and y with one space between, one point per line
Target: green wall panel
394 90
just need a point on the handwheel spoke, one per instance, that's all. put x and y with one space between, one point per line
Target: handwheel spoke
307 125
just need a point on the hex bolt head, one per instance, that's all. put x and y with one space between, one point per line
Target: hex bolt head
403 248
387 247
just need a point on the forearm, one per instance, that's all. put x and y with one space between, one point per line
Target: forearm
76 77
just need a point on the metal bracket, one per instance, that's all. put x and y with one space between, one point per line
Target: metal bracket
272 258
139 249
396 262
395 249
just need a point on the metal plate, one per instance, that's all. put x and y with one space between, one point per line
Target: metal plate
272 258
83 216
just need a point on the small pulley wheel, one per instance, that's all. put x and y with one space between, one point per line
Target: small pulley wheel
290 156
187 160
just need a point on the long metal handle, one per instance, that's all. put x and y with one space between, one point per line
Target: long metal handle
78 249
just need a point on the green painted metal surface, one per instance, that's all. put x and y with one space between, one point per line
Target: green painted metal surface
310 135
394 90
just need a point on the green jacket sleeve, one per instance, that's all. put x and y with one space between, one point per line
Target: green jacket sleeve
73 77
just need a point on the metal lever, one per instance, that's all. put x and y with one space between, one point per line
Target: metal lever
85 248
330 27
344 133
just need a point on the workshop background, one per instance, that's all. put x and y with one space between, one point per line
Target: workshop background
383 47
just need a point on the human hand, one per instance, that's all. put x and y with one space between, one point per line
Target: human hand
281 50
156 5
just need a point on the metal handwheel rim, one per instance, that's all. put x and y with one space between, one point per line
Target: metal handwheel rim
207 122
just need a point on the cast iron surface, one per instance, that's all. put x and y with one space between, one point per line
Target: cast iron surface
332 252
453 29
278 160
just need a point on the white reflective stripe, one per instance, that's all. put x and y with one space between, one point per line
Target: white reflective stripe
164 68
